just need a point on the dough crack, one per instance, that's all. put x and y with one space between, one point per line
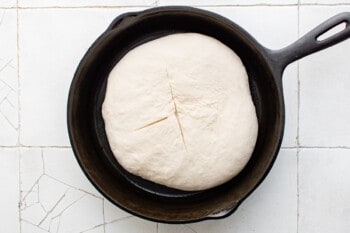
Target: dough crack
153 123
176 111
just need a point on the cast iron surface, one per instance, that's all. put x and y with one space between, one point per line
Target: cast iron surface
265 67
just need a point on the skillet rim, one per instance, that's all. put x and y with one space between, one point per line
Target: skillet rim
265 53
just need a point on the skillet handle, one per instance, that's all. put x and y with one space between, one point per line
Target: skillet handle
311 41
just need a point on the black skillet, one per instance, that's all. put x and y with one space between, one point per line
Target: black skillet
264 67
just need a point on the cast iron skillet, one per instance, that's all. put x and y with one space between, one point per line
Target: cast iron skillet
264 67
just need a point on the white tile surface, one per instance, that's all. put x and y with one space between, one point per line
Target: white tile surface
8 78
50 191
33 214
62 165
83 3
8 3
225 2
290 89
59 165
131 224
113 213
99 229
324 87
183 228
27 227
324 190
9 195
50 50
32 167
271 208
117 220
82 215
55 193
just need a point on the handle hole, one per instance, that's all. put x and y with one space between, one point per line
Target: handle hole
332 31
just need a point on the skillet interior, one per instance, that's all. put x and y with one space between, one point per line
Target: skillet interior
86 127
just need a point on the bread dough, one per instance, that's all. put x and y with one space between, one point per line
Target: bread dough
178 112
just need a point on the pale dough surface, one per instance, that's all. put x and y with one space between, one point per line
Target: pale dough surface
178 111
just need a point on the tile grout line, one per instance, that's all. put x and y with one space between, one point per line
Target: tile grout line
298 126
298 191
103 214
18 83
18 127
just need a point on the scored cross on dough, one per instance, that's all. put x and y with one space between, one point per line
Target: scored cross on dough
178 111
153 122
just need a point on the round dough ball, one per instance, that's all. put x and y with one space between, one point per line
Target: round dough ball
178 112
